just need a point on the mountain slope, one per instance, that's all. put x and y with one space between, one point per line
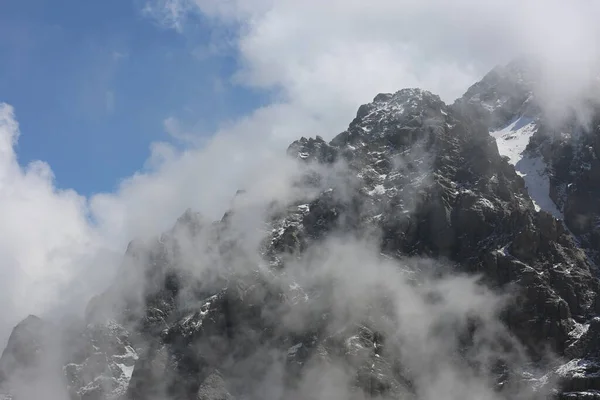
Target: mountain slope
557 157
414 260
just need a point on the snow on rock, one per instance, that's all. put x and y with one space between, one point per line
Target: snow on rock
587 395
579 368
389 111
512 141
377 190
504 250
294 349
579 330
105 373
485 203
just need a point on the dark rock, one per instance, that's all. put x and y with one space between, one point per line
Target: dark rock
214 388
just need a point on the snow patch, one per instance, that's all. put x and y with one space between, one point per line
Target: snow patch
127 371
486 203
588 394
503 250
514 138
294 349
378 189
512 142
579 368
304 208
579 330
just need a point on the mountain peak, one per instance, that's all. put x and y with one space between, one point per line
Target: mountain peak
394 115
404 102
503 93
403 95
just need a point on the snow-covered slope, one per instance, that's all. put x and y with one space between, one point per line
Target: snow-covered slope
512 142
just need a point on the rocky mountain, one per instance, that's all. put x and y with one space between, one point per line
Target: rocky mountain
428 251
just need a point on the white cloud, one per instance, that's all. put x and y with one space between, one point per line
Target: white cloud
170 13
58 248
322 59
328 57
44 235
174 128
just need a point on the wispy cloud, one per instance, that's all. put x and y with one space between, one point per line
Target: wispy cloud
170 13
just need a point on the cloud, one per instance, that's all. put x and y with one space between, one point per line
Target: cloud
175 129
327 58
170 13
59 248
422 323
45 233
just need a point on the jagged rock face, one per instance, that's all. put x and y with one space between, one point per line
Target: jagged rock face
572 155
29 366
503 93
196 315
103 364
563 151
459 199
24 345
558 159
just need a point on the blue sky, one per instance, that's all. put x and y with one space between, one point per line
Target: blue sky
93 81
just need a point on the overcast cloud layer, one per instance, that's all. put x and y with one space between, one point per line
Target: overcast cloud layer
321 59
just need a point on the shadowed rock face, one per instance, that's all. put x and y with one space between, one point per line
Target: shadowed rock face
24 346
572 154
197 314
30 366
